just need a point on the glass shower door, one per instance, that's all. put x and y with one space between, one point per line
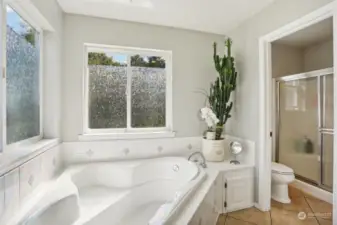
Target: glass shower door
326 130
298 139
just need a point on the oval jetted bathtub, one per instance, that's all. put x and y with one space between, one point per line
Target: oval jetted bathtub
140 192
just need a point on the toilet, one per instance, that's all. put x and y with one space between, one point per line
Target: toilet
281 176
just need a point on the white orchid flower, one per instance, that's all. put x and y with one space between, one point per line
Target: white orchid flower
209 117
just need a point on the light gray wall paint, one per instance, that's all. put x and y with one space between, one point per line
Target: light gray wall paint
52 53
319 56
245 123
192 66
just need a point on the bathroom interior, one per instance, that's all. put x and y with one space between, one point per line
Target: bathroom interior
302 68
147 112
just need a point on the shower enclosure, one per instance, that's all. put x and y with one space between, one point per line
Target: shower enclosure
304 125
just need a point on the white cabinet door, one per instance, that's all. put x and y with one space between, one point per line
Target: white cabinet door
239 193
219 199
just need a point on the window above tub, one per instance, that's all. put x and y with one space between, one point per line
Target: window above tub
127 93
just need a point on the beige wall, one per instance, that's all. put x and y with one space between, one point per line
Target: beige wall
245 122
318 56
192 66
286 60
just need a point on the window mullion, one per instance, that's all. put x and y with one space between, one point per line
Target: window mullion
128 94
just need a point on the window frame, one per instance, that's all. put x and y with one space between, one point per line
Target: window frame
3 63
129 51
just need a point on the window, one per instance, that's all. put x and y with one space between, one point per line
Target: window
22 80
127 90
295 93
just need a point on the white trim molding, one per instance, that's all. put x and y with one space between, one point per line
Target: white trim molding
123 136
266 103
29 11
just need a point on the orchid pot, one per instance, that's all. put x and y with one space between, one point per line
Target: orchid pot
210 135
213 150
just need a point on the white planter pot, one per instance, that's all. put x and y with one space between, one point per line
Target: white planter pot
214 150
210 135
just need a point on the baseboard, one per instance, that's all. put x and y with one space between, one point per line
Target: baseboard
314 191
258 206
217 218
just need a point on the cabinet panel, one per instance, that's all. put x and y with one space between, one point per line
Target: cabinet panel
219 187
239 193
238 190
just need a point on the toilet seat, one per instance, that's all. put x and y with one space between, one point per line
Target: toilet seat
281 169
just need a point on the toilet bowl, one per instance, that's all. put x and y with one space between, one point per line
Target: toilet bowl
281 176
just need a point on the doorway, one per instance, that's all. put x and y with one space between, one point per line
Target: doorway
302 71
267 95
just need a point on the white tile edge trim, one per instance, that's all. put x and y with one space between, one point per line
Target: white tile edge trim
15 158
124 136
314 191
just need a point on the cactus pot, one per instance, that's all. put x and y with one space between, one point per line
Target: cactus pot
213 150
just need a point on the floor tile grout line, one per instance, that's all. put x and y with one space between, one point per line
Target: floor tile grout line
312 211
242 220
271 220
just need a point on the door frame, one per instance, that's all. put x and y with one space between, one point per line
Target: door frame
266 93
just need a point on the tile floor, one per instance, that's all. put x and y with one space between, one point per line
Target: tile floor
317 212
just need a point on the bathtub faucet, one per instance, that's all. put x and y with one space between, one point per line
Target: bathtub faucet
196 160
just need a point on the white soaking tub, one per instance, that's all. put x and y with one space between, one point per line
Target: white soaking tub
141 192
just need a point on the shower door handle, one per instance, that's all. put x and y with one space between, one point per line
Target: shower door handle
326 130
318 158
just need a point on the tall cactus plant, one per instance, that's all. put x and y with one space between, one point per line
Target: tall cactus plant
224 85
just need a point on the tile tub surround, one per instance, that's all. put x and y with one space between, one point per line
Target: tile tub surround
17 184
79 152
318 212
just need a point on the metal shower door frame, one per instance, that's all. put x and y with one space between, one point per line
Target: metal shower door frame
320 116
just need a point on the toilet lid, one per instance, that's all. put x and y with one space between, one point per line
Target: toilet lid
280 168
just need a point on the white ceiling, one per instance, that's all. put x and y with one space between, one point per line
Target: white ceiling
215 16
311 35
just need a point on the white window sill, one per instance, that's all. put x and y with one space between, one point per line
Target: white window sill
125 136
15 157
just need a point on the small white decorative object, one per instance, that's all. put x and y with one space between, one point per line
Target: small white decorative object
213 150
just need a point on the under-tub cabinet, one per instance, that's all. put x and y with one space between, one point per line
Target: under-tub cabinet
238 189
233 189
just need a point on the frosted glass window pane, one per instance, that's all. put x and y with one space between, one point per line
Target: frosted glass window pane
22 79
148 87
107 90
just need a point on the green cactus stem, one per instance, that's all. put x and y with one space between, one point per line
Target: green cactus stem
224 85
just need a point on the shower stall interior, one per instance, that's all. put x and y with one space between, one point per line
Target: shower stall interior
304 125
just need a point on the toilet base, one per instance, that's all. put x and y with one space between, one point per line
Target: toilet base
279 192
